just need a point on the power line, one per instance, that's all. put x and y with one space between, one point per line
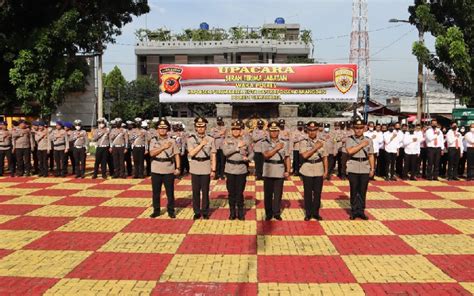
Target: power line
348 35
395 41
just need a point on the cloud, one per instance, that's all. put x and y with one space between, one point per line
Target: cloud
154 7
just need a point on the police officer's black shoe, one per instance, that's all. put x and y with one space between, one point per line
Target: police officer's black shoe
386 179
172 215
307 218
455 179
278 217
94 177
352 217
363 217
241 216
205 216
196 216
317 217
232 216
154 214
268 218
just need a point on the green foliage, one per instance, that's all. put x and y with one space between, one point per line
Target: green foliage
39 44
321 109
452 24
306 36
115 83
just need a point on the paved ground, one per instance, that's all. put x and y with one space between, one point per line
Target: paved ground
68 236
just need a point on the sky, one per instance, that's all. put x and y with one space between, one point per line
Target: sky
392 64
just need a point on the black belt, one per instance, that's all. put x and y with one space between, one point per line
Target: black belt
163 159
274 161
313 161
200 158
4 146
236 161
60 144
359 158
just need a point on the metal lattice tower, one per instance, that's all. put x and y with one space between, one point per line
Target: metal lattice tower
359 52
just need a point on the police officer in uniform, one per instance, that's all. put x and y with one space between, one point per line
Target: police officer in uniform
330 147
297 137
219 134
435 143
5 148
165 166
360 168
60 147
314 169
276 168
128 155
118 145
454 141
101 138
258 136
80 142
150 128
69 128
238 153
34 129
202 151
23 144
43 144
184 151
139 144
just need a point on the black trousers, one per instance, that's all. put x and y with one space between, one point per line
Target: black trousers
59 162
410 165
110 163
42 163
51 158
453 162
421 166
358 186
23 161
258 157
148 164
344 159
128 162
200 185
6 154
79 156
313 187
138 162
296 162
118 155
35 161
331 164
433 156
443 164
400 158
235 187
101 158
462 164
184 163
390 162
272 194
157 180
381 166
470 162
220 164
69 155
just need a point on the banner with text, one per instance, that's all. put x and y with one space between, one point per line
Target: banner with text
253 83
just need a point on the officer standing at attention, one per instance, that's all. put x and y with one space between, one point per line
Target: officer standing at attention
202 151
313 170
330 147
360 167
165 166
454 141
69 128
128 155
80 143
101 138
297 137
34 129
258 136
434 142
238 153
44 146
138 139
60 147
23 144
219 134
118 146
275 169
5 148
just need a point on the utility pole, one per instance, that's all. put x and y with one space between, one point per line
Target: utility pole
100 88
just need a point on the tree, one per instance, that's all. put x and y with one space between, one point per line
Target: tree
40 41
115 83
452 24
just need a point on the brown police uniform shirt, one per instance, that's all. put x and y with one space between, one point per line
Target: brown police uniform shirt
5 140
163 163
330 144
201 167
233 153
297 138
138 137
42 139
219 134
275 170
118 137
356 166
258 136
309 169
79 139
22 138
60 139
101 137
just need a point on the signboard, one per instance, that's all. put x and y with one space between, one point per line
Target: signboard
257 83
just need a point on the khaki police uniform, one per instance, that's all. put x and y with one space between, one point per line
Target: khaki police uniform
119 143
151 133
312 171
163 166
274 169
297 137
6 150
330 145
258 136
358 169
219 134
43 142
200 167
60 145
236 170
80 142
138 139
23 144
101 137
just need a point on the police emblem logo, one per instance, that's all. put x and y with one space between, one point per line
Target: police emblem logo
344 79
170 80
